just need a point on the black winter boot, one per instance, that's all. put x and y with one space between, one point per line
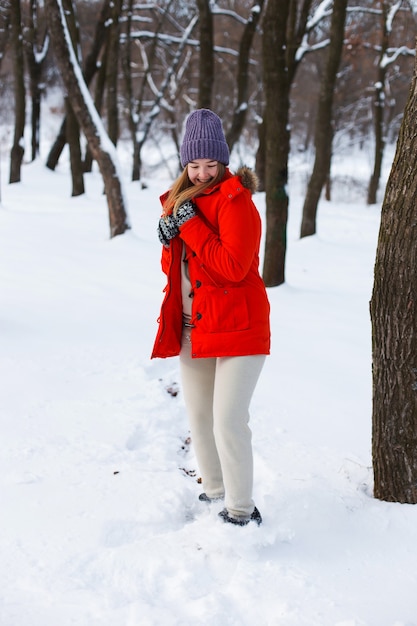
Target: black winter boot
242 521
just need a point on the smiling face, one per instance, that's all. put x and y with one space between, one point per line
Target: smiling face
202 170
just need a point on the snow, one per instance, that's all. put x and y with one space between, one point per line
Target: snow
100 519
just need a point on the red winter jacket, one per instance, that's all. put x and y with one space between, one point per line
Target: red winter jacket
230 308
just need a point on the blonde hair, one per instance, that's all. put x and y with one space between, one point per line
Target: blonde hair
183 189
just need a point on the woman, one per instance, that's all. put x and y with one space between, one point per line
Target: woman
215 312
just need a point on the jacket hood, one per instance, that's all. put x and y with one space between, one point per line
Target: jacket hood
249 178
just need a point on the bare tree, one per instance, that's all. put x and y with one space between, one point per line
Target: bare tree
394 324
381 101
206 58
90 68
72 128
99 142
37 45
136 101
4 33
378 109
324 122
285 29
277 141
142 120
17 152
241 108
4 26
112 67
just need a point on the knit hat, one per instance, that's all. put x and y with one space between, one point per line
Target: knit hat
204 138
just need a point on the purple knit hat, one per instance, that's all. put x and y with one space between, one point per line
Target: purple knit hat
204 138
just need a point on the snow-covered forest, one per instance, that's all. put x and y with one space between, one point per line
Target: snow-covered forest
143 66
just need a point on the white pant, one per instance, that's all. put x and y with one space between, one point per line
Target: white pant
217 394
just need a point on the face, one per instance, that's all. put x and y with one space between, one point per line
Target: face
202 170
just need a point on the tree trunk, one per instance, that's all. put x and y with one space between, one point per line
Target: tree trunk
4 33
378 113
324 120
284 23
206 63
101 147
35 56
4 26
394 324
113 43
73 140
90 68
17 152
126 63
72 127
260 157
36 91
58 146
239 115
277 140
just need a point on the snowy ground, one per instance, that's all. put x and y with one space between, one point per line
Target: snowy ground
100 522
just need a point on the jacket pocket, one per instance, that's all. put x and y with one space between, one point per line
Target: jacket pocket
222 310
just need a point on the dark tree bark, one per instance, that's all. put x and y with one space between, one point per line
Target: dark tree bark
378 112
239 114
4 34
126 63
324 121
72 128
284 27
58 146
90 69
394 324
260 156
73 139
17 152
112 70
4 26
91 64
35 55
277 140
206 59
87 117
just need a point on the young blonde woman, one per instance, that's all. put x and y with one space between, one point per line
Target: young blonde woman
215 313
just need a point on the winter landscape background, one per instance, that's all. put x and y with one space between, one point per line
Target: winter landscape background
100 521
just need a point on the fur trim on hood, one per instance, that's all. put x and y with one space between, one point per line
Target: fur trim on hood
249 178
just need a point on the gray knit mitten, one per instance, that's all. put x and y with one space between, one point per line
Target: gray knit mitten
167 229
185 212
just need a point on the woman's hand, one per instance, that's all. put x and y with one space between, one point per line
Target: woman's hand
185 212
167 229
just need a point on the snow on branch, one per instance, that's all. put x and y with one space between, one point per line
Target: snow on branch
387 60
305 47
159 95
323 10
218 11
391 15
40 55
